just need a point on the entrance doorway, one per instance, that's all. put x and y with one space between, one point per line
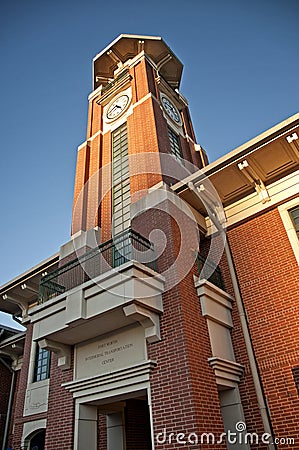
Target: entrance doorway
125 425
122 424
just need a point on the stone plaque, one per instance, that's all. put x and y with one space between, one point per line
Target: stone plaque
112 352
36 399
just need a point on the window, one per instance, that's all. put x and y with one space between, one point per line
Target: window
37 442
175 144
42 365
289 213
294 213
295 371
121 198
121 180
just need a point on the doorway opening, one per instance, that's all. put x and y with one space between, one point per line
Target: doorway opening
125 424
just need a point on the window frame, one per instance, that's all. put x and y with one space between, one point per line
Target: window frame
41 370
175 147
284 211
296 226
121 195
295 373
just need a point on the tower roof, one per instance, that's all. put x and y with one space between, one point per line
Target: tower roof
127 46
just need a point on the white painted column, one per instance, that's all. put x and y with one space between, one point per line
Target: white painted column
232 414
86 422
115 431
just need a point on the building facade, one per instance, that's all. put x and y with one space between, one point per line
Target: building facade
170 318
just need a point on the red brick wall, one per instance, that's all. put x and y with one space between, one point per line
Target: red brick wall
60 407
142 138
16 395
295 371
102 431
92 218
183 387
60 417
246 386
21 387
188 124
105 205
82 174
95 118
5 384
140 82
268 275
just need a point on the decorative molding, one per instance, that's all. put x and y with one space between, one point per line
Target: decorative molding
21 303
30 287
89 140
30 427
36 398
119 86
243 209
62 351
216 304
110 383
17 360
255 180
149 320
228 373
100 300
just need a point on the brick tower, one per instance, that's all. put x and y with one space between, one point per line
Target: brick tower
135 111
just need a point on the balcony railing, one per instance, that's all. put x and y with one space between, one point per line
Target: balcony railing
114 82
126 246
210 271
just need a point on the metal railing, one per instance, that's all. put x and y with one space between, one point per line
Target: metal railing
210 271
115 81
126 246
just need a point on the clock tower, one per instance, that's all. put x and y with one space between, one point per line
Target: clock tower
136 114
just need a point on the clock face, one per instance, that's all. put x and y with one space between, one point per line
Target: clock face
171 109
117 107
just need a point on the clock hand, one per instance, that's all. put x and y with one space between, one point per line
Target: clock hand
114 109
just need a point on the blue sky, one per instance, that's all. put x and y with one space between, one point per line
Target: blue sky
240 77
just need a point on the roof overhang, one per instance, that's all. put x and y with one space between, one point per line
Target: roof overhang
259 162
22 291
13 346
126 47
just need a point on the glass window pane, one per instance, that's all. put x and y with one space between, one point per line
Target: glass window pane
121 179
175 144
42 365
294 213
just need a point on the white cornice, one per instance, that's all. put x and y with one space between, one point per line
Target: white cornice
131 36
279 191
